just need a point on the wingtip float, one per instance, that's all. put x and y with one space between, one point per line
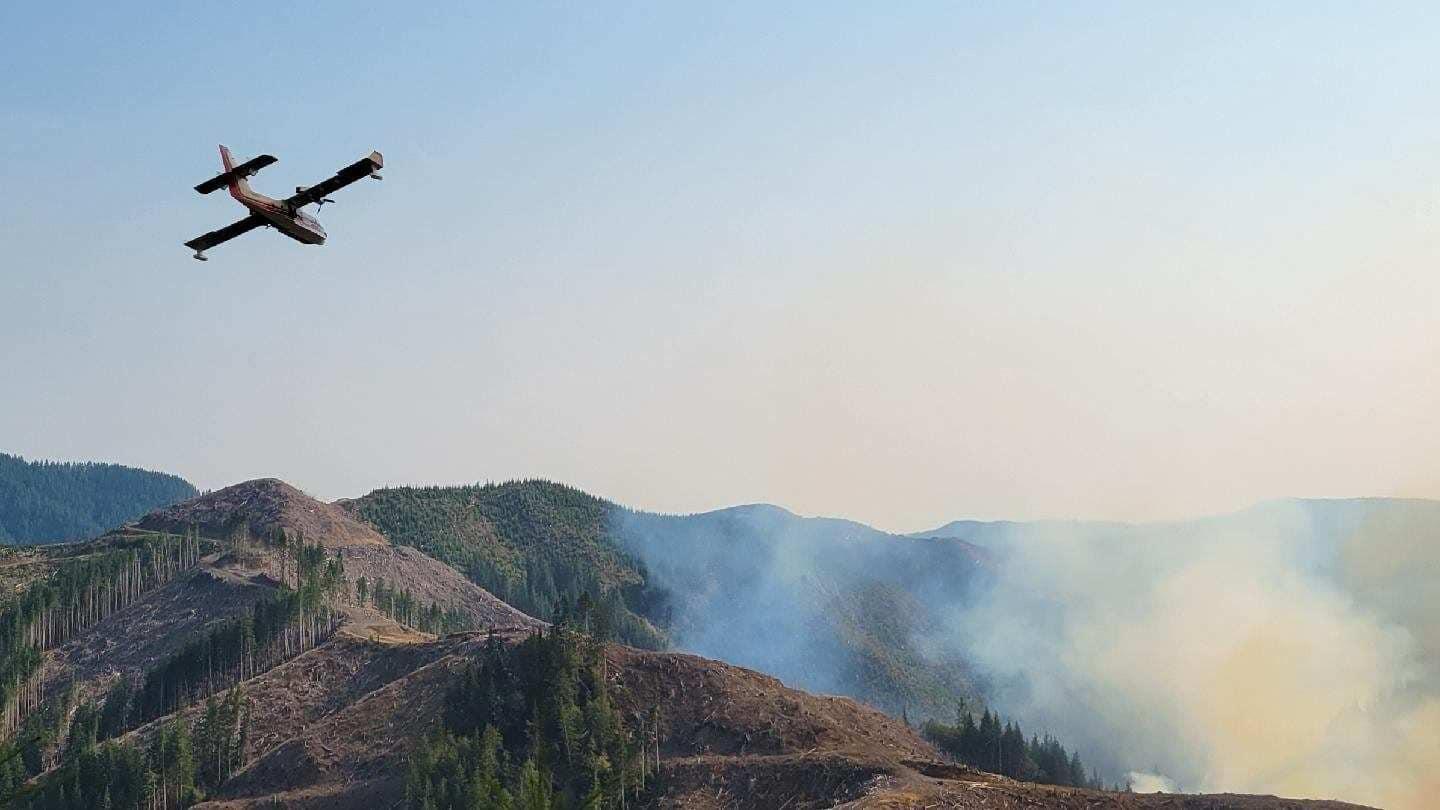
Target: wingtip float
284 215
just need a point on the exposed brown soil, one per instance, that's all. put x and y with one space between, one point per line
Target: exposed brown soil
997 793
431 582
795 782
256 510
358 751
733 738
729 738
130 641
316 684
145 633
19 568
709 707
22 566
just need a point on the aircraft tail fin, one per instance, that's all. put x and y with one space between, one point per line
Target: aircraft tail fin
234 177
238 185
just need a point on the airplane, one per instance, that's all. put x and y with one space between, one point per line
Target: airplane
284 215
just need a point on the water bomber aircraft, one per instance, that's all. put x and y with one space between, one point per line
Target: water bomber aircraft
284 215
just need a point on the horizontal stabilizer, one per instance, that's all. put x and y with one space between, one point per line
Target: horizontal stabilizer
240 172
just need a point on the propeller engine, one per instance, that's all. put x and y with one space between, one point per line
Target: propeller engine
320 203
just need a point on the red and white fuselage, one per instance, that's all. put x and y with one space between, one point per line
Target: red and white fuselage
284 215
293 222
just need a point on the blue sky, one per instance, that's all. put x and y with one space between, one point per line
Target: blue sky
900 263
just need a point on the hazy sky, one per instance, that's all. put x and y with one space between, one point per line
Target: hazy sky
902 265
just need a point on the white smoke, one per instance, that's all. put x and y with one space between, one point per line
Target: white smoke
1291 649
1141 782
1242 654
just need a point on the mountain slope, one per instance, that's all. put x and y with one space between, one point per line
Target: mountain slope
48 502
728 738
537 545
253 554
255 511
334 718
825 603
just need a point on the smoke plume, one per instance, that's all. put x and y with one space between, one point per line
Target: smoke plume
1293 648
1289 649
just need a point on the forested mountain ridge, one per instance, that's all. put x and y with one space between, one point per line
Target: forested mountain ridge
846 615
273 654
537 545
51 501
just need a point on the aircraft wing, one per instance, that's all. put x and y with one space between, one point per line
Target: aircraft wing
225 234
240 172
361 168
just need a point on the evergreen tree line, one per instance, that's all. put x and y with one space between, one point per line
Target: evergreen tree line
305 564
38 738
554 583
12 775
402 606
77 595
531 727
47 501
178 767
990 745
533 544
181 762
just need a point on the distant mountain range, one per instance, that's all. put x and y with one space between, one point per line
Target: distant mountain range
50 501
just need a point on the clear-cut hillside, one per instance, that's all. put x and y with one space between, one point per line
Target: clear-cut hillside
242 567
256 510
730 739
